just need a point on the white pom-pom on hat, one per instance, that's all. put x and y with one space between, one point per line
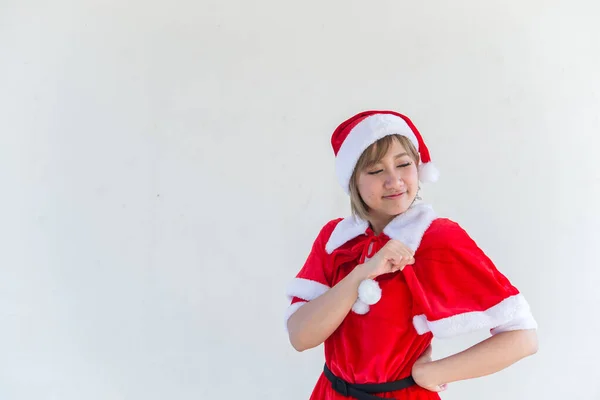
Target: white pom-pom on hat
428 173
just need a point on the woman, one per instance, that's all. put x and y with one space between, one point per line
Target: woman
379 285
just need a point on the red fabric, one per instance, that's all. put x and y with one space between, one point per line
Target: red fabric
382 345
452 275
423 150
316 267
341 132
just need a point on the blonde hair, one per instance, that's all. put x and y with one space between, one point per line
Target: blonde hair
372 155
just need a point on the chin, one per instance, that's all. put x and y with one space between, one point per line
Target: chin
396 210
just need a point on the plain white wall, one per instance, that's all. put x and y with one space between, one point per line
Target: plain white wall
165 167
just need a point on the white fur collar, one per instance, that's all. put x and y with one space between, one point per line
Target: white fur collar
407 227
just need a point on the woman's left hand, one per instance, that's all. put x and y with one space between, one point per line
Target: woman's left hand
419 373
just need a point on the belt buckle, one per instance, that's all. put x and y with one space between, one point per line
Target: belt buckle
340 386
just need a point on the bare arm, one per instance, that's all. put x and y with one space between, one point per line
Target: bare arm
487 357
316 320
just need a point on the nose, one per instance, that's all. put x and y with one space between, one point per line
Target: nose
393 179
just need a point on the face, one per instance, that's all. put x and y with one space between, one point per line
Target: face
390 186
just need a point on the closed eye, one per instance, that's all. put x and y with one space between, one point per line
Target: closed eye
380 170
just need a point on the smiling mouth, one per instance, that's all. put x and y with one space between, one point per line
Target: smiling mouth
394 196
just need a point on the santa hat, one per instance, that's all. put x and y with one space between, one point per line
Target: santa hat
353 136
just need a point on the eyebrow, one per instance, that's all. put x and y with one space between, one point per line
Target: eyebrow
395 157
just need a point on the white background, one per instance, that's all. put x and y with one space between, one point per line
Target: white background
165 167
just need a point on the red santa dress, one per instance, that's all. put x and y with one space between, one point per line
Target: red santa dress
453 288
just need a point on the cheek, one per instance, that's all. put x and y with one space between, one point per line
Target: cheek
367 188
412 177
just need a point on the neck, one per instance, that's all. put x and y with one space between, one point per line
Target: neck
379 224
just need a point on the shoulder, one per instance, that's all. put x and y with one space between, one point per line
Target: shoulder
443 233
444 226
326 231
328 228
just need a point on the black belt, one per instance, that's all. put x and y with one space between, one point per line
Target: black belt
364 391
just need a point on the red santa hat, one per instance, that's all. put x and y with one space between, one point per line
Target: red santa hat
353 136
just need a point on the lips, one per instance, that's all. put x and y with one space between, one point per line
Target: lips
394 196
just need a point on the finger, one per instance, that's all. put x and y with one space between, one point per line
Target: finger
395 266
390 265
396 245
396 259
407 260
400 252
409 256
400 246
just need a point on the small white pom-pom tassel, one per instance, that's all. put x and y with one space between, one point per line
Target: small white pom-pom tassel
360 307
428 173
369 291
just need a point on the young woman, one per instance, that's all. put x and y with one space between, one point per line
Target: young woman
379 285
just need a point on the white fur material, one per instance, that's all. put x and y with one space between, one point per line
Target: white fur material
305 289
410 226
365 133
360 307
511 313
407 227
522 320
428 173
347 229
369 291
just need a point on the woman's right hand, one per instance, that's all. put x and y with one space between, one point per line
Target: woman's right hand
392 257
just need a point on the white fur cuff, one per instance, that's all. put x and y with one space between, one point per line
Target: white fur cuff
306 289
509 314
